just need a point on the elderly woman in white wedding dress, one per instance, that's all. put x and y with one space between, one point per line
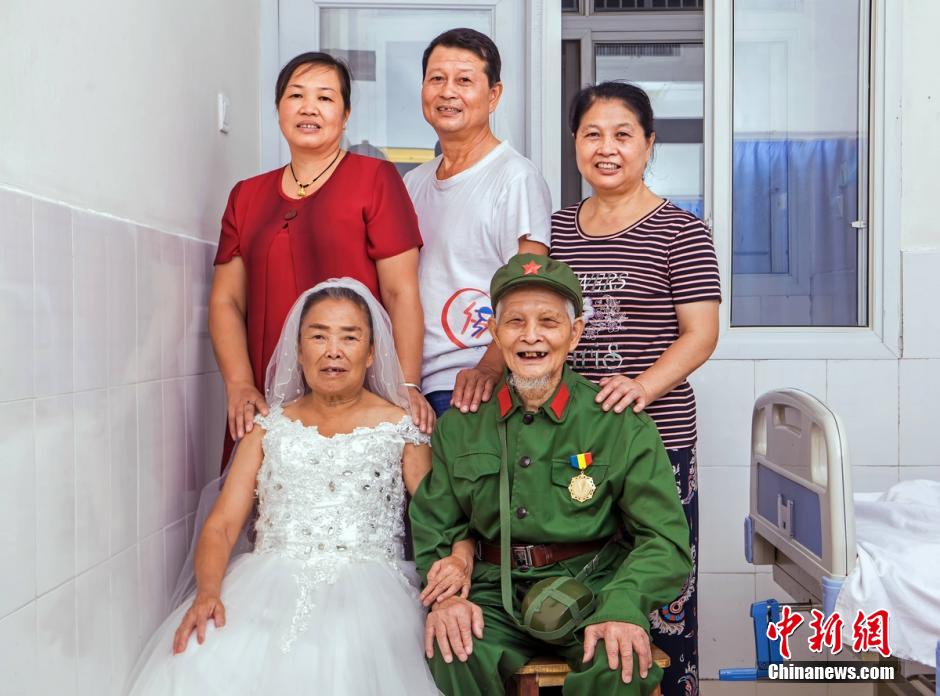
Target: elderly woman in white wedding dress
325 603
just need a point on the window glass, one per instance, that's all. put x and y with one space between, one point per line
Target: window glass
799 240
672 74
383 48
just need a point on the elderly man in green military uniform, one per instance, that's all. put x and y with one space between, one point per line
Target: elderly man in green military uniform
586 497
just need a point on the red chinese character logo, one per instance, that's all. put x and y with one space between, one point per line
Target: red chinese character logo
828 632
871 632
783 629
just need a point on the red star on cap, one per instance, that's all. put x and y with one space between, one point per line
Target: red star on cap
531 268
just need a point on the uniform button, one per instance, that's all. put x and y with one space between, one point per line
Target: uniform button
521 512
528 418
290 214
525 461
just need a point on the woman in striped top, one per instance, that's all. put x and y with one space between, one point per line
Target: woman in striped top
651 288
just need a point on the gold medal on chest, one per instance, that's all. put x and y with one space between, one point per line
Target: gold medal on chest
581 488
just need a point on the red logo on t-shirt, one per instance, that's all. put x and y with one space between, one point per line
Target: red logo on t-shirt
464 317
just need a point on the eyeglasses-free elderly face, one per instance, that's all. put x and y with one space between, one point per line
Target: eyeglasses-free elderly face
535 332
311 112
335 348
611 148
456 95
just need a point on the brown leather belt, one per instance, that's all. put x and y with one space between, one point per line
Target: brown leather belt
523 556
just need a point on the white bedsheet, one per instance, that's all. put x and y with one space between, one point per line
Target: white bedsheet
898 568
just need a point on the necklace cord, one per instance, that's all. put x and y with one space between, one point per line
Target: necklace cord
303 187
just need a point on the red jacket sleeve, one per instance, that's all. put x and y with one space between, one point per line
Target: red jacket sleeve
229 242
391 222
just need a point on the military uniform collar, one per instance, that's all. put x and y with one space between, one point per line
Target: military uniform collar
556 407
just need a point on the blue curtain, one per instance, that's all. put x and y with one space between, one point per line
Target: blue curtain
696 206
799 197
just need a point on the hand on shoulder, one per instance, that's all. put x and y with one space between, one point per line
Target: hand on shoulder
619 391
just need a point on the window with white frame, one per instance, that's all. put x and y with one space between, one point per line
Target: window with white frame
802 176
799 242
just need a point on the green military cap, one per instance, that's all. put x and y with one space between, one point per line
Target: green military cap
525 269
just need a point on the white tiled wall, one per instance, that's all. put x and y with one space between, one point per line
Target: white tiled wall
110 416
888 408
921 288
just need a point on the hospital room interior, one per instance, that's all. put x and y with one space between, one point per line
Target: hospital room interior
805 133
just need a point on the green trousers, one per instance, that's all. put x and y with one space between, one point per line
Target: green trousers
506 647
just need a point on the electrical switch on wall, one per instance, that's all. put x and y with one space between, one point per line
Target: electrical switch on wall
223 106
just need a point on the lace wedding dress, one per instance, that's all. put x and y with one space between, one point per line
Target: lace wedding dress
324 604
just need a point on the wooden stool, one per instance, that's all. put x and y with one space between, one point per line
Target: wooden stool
551 671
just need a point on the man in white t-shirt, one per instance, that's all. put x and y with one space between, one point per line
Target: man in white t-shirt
479 203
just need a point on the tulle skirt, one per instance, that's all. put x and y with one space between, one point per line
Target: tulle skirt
364 636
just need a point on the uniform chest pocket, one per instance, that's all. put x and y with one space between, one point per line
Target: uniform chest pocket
563 473
476 485
474 465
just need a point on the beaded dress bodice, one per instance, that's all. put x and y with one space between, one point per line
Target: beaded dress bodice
328 501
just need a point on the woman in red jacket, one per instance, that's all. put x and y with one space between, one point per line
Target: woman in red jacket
326 213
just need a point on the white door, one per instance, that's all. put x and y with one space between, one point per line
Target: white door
383 43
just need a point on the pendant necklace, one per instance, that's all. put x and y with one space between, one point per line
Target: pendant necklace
302 188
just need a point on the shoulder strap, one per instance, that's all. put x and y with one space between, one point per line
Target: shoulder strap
504 541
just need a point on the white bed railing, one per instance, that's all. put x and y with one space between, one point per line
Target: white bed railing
801 517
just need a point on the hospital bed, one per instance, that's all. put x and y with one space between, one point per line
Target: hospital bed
801 519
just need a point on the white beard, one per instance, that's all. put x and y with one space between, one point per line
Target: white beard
531 388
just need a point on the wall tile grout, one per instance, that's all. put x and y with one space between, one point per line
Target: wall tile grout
34 196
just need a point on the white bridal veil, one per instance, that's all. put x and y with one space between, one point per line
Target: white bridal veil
284 382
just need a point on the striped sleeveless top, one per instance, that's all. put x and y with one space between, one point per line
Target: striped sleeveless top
632 281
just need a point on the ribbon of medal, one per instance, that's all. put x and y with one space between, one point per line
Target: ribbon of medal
581 487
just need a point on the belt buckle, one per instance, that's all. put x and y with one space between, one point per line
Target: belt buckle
522 557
